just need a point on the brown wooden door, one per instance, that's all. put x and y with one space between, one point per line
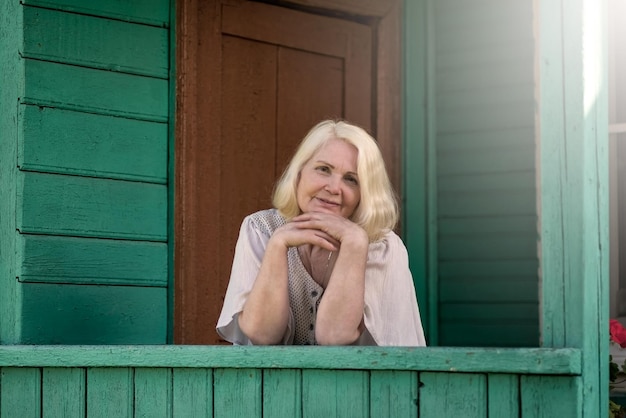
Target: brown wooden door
263 75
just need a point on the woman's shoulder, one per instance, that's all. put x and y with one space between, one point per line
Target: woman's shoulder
265 221
388 246
390 238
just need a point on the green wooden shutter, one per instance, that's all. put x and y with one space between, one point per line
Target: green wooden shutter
473 193
90 173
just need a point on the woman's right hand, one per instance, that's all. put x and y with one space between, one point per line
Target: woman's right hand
292 235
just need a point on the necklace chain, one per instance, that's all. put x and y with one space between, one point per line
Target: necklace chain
327 272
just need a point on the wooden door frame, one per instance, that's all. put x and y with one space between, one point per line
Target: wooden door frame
191 231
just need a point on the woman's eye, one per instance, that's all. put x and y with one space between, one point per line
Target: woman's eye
352 180
323 169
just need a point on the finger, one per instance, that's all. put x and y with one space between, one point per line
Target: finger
293 237
303 217
329 241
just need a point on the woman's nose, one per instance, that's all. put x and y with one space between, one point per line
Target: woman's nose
333 185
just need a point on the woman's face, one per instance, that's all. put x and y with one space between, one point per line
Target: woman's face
329 182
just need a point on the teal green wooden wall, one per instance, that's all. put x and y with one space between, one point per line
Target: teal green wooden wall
85 141
471 210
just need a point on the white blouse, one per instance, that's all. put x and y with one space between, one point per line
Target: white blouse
391 315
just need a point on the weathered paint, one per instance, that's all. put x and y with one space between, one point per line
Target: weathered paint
536 361
54 313
171 172
96 42
80 206
86 144
574 189
419 187
57 259
150 12
52 84
12 81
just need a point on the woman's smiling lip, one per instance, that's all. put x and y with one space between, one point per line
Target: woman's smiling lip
327 202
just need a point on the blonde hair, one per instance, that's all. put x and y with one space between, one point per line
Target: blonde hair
377 211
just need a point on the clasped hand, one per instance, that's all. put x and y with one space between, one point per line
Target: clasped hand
324 230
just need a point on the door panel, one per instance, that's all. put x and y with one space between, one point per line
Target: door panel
310 88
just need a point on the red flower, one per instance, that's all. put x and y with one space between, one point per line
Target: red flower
618 332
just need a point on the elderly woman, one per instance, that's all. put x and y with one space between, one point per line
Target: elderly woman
324 266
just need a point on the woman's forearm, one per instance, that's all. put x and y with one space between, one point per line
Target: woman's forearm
265 314
340 313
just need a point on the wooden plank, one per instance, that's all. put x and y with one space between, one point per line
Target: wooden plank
486 311
490 10
489 42
197 162
519 50
486 118
12 69
237 392
515 163
469 141
335 393
503 395
152 12
445 395
97 91
20 392
153 392
490 203
496 333
419 217
501 246
453 80
96 42
552 156
282 393
455 100
377 8
192 392
500 289
389 91
487 24
493 177
77 314
574 182
109 392
318 77
53 259
64 392
551 396
65 142
79 206
332 36
247 115
393 394
488 269
494 224
173 205
564 361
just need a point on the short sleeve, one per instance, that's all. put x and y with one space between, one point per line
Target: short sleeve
391 314
249 251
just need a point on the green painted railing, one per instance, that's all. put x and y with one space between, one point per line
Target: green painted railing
206 381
